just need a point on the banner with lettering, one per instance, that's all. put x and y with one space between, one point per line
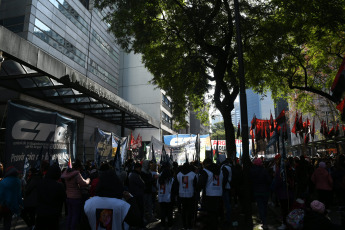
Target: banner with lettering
183 146
34 135
222 146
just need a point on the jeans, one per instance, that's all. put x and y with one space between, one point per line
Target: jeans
74 207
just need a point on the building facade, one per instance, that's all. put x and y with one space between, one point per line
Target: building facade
60 57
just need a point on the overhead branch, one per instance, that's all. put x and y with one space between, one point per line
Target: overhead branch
312 90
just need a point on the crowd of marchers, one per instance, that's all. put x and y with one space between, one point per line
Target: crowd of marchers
305 189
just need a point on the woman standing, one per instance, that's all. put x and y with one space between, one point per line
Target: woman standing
74 181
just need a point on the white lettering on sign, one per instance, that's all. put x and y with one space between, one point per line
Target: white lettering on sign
36 131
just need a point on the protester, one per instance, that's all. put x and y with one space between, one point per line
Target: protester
315 218
284 188
107 210
148 180
10 196
187 182
261 182
136 187
30 197
51 196
74 181
166 188
210 181
323 184
227 177
155 175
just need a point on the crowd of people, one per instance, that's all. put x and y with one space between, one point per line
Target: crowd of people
305 189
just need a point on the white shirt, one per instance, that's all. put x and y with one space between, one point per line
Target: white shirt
186 186
106 213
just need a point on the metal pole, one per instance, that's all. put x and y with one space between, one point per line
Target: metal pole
244 122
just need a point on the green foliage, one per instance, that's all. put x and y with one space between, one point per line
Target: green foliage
298 50
218 130
292 48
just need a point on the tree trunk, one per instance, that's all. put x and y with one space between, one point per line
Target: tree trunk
229 134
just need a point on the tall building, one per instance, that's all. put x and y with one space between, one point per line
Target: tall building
60 57
136 89
258 105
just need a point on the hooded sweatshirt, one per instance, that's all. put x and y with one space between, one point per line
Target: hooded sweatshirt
322 179
10 191
74 181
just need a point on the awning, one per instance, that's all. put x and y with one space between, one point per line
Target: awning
29 70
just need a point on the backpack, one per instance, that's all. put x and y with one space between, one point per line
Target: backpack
295 218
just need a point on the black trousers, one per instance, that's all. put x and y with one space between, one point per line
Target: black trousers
188 211
166 213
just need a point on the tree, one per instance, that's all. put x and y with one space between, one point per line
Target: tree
185 45
218 130
307 48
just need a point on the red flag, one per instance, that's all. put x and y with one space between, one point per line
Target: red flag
271 123
295 125
139 140
281 118
338 85
331 132
133 142
306 138
253 122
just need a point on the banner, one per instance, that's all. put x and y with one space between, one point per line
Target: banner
103 146
184 144
106 144
34 135
222 146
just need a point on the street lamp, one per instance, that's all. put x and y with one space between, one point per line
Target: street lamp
244 122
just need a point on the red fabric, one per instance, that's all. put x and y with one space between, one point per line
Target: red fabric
271 123
295 124
342 66
281 118
341 105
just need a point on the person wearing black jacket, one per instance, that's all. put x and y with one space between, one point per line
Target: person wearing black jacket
30 197
50 197
148 180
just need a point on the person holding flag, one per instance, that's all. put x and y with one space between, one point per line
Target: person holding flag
74 181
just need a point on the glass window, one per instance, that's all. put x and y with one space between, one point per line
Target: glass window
55 40
67 10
